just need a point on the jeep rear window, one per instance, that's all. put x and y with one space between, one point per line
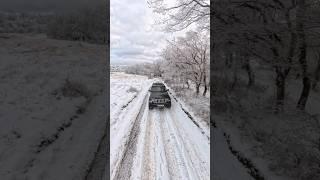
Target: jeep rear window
158 88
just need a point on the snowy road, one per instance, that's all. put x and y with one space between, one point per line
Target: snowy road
171 150
164 144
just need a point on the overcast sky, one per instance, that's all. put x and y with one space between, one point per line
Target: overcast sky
134 35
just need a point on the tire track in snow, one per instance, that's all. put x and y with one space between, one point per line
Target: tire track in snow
161 158
125 166
192 153
154 161
184 161
148 165
167 155
170 159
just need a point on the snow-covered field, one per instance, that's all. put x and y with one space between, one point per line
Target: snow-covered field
153 144
52 106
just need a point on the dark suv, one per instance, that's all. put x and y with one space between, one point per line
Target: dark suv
159 96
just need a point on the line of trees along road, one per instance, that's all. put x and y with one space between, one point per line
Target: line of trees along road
187 57
265 70
280 34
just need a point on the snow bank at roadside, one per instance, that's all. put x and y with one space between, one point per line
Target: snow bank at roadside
225 164
188 108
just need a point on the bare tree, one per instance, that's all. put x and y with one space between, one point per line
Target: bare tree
300 17
189 55
183 13
316 73
264 30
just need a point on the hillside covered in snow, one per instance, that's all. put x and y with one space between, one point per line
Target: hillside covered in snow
52 106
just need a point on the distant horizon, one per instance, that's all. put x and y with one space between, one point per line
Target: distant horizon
127 63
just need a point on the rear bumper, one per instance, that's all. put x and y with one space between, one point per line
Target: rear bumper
168 104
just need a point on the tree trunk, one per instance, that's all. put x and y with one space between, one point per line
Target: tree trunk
197 88
247 67
316 74
205 90
292 43
304 94
281 85
205 85
301 8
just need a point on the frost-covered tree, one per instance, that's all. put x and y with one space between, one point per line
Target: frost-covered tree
189 56
180 14
277 33
283 34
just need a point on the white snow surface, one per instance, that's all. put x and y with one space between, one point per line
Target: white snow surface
226 166
32 68
126 97
169 144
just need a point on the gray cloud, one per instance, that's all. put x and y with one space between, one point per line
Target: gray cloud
133 37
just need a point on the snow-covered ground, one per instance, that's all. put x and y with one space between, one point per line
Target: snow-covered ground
153 144
280 146
226 166
52 106
126 97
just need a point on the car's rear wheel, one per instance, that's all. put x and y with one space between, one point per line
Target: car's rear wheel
150 107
